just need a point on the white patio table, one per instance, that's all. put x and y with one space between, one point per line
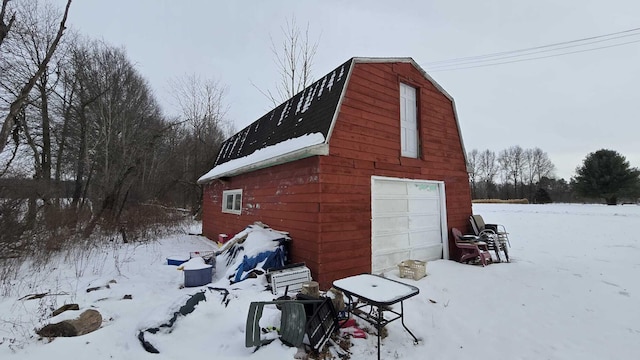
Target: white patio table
376 293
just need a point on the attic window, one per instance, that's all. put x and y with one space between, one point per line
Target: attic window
232 201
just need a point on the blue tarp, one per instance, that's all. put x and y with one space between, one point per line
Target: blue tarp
272 259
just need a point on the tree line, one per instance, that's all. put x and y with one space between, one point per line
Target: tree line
509 174
77 111
517 173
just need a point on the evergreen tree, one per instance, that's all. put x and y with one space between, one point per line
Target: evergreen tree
542 197
606 174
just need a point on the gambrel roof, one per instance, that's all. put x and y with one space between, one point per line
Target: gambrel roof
300 122
298 128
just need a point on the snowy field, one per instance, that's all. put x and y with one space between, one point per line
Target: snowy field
571 291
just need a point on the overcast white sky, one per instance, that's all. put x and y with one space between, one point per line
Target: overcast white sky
566 105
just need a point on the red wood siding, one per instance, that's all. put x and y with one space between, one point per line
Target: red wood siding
285 197
324 202
366 142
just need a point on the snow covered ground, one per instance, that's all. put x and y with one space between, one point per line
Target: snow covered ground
571 292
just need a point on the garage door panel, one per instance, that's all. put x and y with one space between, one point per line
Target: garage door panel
429 252
430 206
395 241
425 238
387 225
389 187
385 262
421 222
423 189
391 205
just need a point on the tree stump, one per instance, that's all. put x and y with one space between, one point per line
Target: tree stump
87 322
311 288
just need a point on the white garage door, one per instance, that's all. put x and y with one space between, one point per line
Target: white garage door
408 218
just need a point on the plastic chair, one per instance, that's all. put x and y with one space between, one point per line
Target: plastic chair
293 321
471 248
318 320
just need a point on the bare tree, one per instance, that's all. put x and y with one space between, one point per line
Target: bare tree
87 114
112 125
83 87
126 121
5 25
17 105
66 95
29 63
473 167
201 102
528 171
32 37
294 57
488 169
536 166
511 163
542 165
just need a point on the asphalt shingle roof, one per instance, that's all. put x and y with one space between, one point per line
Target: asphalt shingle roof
308 112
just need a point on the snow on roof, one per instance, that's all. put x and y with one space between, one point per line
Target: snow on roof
268 156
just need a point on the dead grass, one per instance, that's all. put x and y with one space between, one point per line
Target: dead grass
500 201
59 230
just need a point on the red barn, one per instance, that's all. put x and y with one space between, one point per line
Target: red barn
364 168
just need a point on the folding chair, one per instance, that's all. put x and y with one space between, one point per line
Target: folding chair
495 235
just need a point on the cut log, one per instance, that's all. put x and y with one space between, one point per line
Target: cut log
87 322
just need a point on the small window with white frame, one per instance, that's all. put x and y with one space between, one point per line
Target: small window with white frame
232 201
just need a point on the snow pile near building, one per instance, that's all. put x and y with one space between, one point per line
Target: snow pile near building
256 247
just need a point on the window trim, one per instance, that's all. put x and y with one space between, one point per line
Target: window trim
418 139
235 193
